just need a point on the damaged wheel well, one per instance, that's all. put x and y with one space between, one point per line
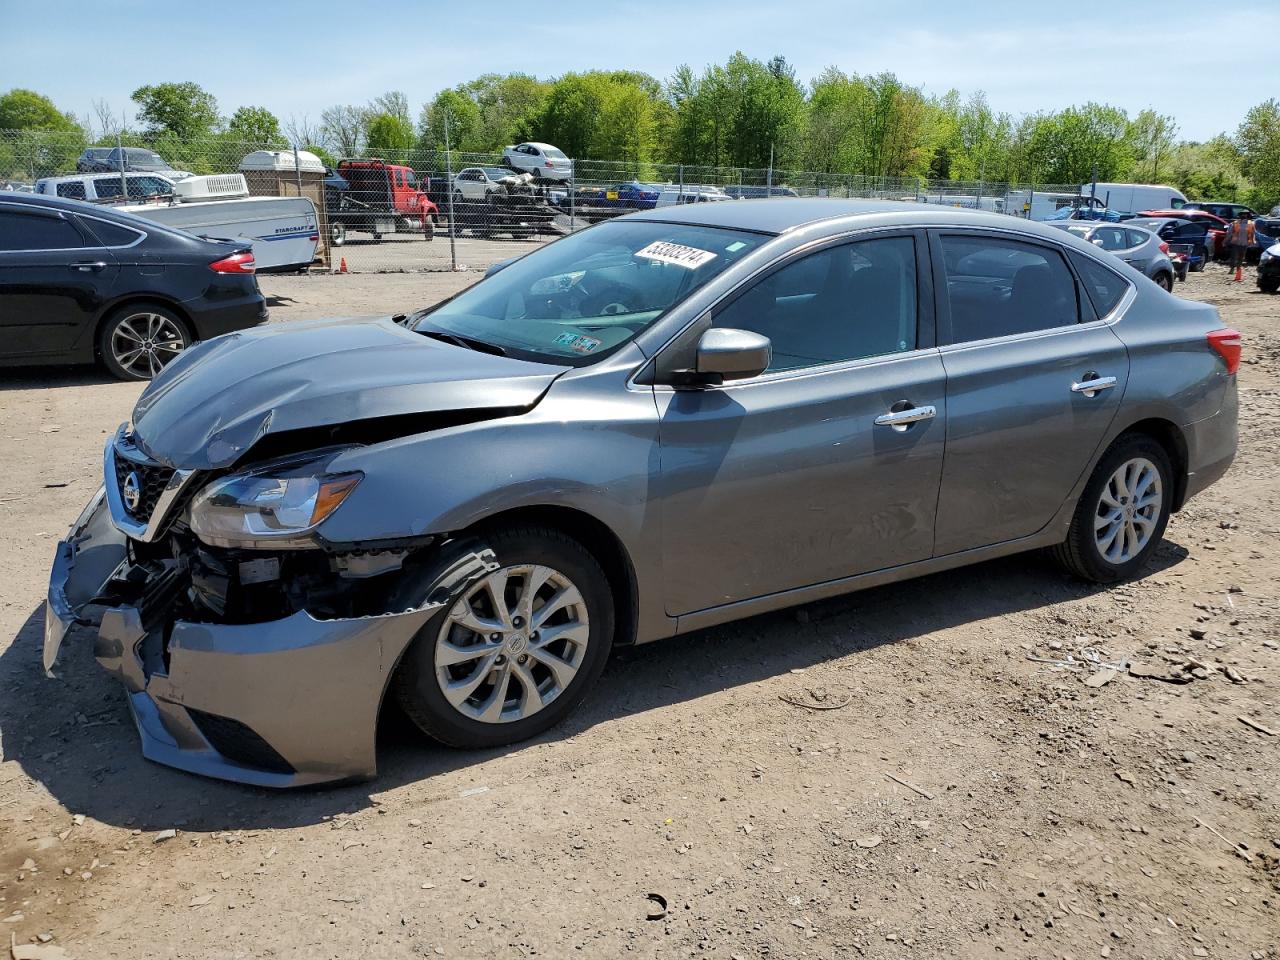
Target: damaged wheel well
602 543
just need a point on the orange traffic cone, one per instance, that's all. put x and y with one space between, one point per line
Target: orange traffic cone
1239 274
342 265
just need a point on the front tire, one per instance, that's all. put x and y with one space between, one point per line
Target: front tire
1122 513
517 650
138 340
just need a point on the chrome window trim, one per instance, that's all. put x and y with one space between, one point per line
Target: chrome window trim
23 207
804 249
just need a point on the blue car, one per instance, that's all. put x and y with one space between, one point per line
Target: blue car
620 196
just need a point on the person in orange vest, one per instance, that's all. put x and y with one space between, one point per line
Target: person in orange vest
1240 236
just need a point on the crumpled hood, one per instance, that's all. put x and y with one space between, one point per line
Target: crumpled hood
219 398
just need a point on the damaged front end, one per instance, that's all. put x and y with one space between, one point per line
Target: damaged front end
265 666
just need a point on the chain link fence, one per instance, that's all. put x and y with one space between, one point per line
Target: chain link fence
425 209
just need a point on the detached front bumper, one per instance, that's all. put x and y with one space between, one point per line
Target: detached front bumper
284 703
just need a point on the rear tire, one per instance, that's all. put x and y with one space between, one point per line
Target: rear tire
138 340
1198 267
1269 285
1165 281
520 685
1117 504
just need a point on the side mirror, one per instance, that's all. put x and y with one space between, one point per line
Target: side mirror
727 354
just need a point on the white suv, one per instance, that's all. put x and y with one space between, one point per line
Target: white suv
541 159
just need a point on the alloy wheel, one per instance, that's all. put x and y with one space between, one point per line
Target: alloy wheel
512 643
143 343
1128 510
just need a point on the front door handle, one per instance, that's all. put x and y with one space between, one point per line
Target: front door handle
1093 384
89 266
900 420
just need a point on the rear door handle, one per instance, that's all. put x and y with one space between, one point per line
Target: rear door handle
89 266
1094 385
900 420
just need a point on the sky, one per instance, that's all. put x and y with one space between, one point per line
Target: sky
296 59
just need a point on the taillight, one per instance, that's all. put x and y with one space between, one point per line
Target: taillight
1226 343
1164 247
241 262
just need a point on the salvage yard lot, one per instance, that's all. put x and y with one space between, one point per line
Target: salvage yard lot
958 799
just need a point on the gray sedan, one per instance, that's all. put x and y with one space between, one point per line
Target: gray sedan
671 420
1136 246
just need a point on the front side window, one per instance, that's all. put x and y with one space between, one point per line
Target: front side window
846 302
580 298
28 232
998 288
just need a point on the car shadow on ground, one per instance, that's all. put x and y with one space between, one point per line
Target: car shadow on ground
74 736
63 375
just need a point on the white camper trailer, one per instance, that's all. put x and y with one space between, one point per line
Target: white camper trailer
282 230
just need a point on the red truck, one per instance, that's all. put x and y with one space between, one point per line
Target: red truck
376 197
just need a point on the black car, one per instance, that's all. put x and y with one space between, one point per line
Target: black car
97 160
80 283
1269 270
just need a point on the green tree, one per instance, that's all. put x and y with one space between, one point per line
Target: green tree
462 114
1153 136
257 126
389 135
185 110
1258 143
27 110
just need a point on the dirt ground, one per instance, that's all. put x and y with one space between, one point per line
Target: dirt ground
958 800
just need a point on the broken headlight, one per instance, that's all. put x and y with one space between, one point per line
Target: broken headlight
275 507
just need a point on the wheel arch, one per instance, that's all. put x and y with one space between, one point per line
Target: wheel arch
137 299
599 540
1169 435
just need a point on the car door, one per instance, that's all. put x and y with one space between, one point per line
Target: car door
826 465
53 280
1034 380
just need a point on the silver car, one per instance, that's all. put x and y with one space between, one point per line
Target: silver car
1135 245
671 420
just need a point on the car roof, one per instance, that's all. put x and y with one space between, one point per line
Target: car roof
538 144
778 215
100 211
96 175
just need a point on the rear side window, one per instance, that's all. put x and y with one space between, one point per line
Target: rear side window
73 189
110 234
1104 287
107 188
998 288
25 231
1136 239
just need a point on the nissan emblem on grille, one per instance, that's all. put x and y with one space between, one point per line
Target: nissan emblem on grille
132 491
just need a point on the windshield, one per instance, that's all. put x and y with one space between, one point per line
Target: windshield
580 298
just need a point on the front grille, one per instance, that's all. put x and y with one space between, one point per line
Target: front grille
151 479
238 743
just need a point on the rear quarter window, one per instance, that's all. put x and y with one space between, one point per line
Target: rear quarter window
72 189
1104 287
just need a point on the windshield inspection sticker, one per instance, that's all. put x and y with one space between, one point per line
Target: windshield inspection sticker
584 345
677 253
565 339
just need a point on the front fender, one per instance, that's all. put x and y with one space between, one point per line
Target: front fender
591 445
